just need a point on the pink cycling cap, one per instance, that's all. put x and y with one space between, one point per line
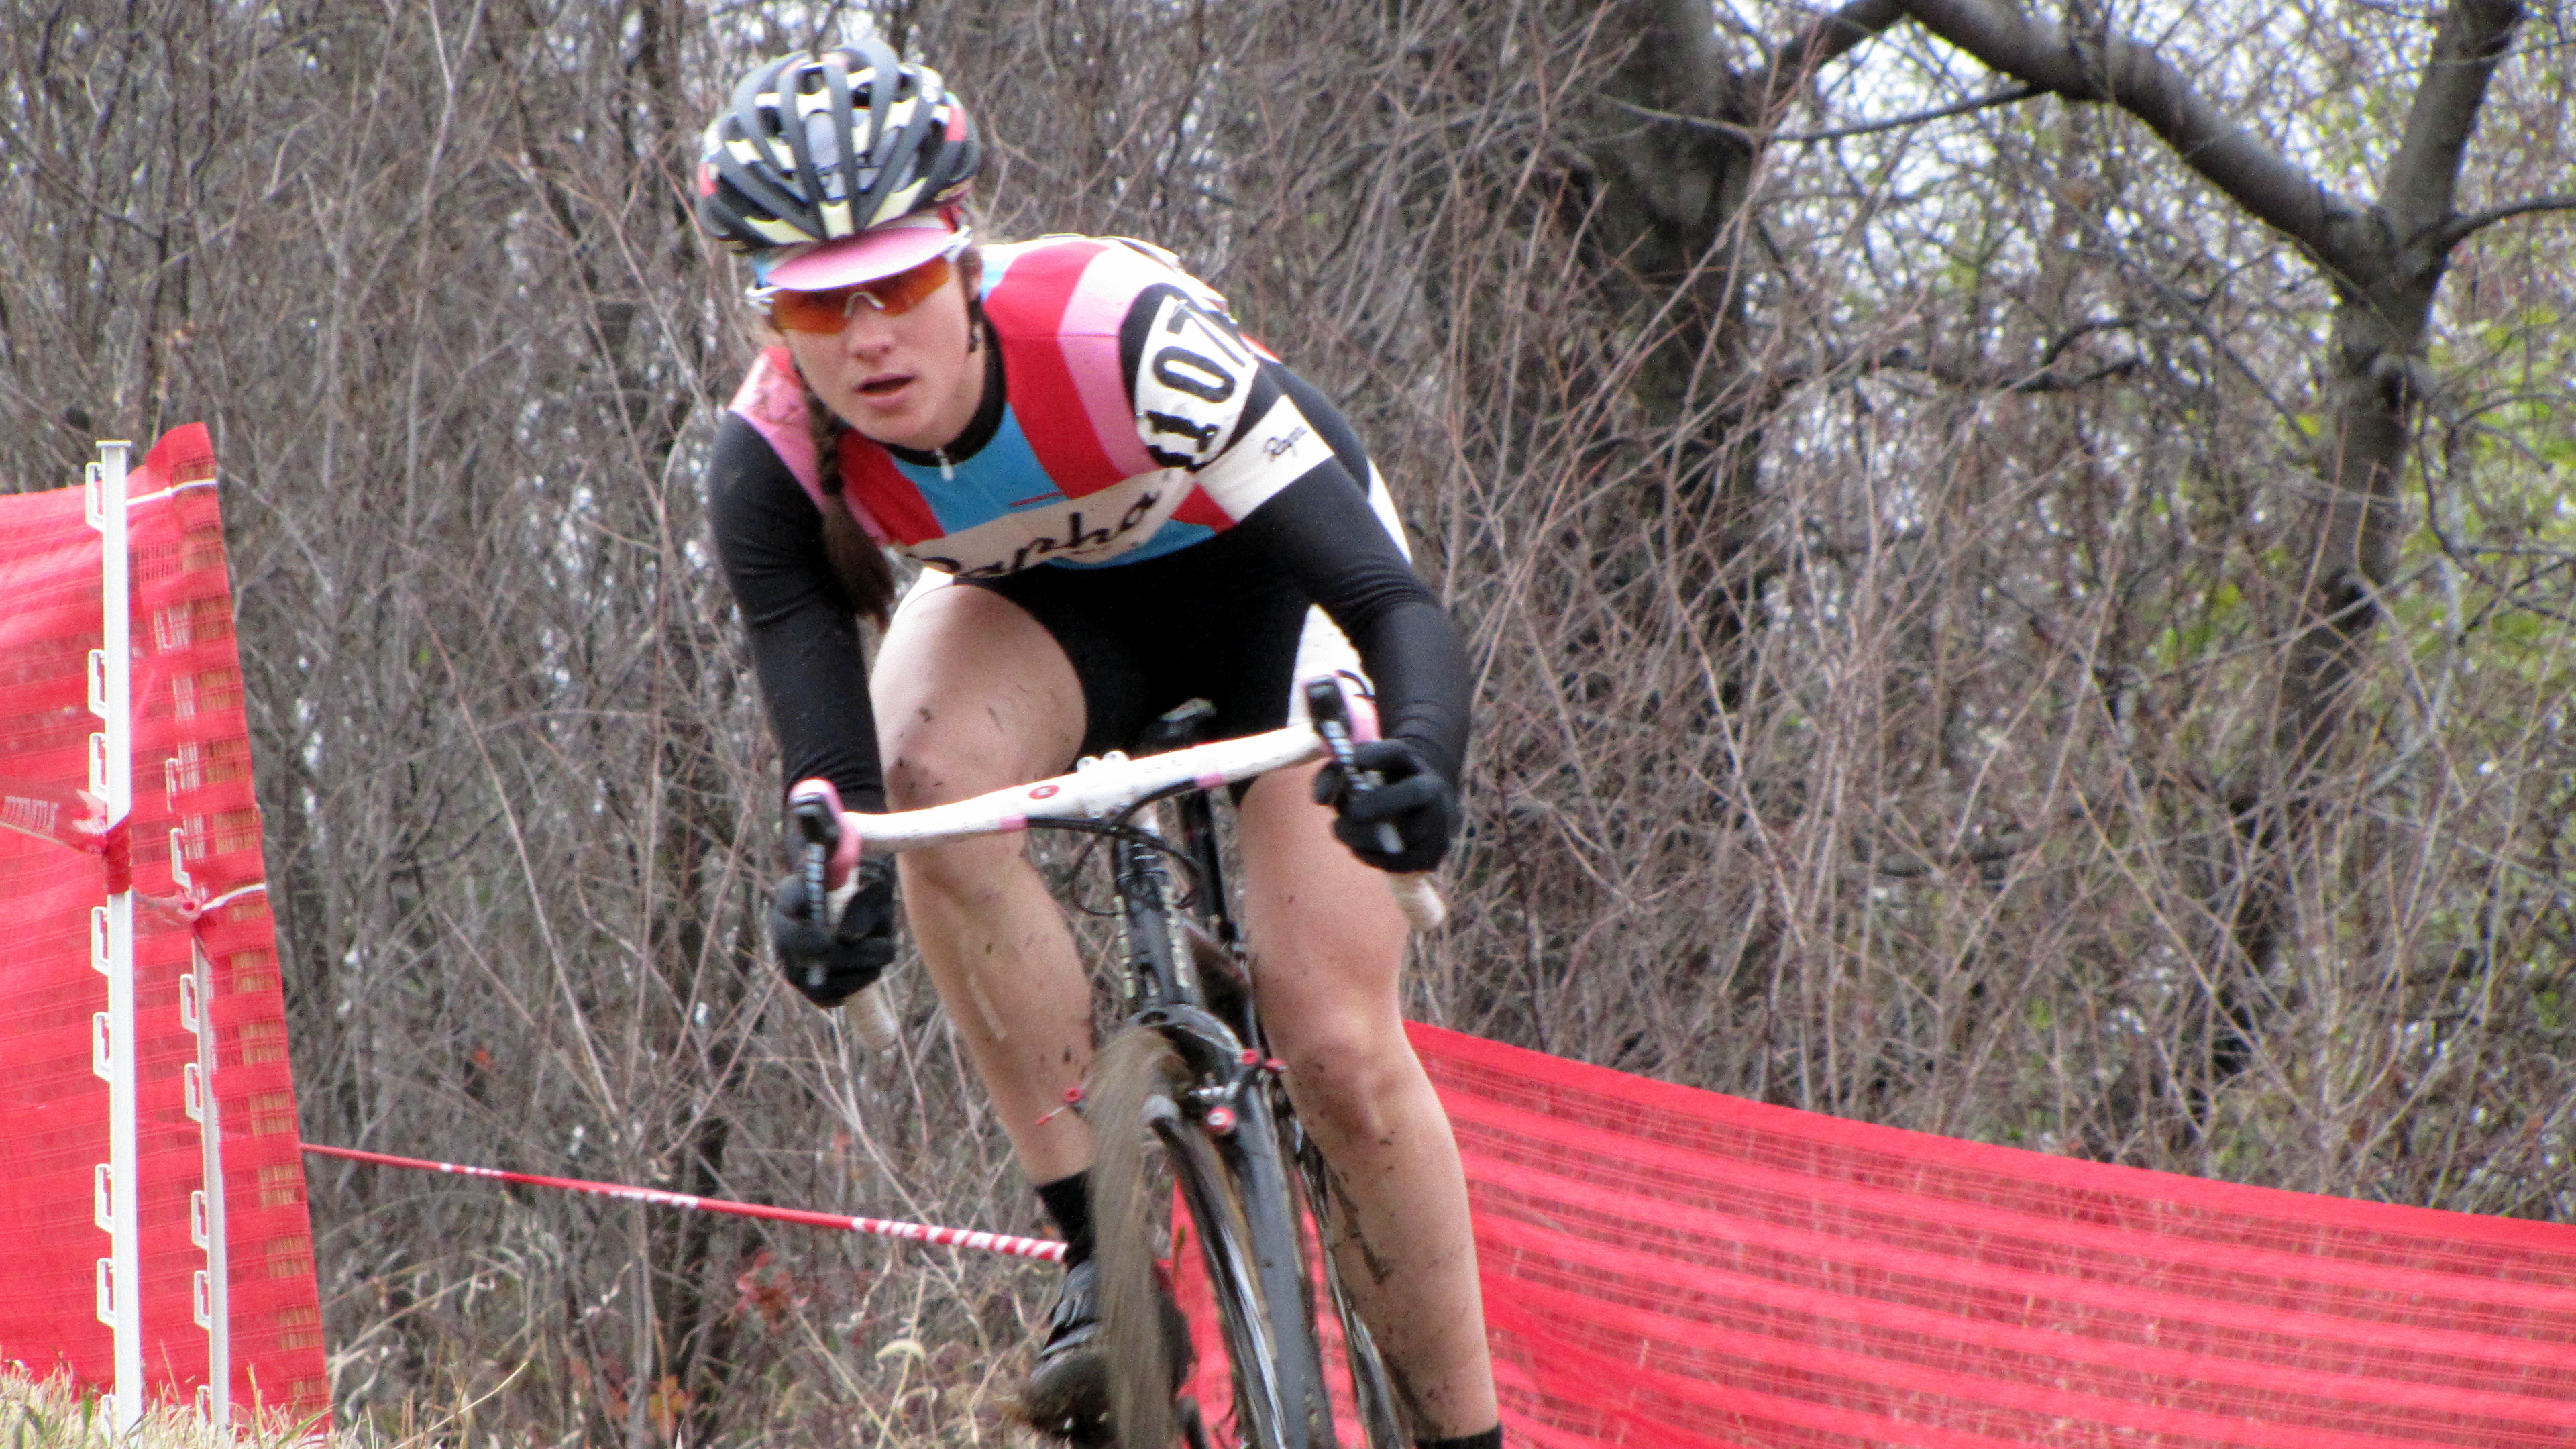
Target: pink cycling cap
898 246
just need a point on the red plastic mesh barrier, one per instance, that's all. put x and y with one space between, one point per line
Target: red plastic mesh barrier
192 776
1671 1267
1668 1267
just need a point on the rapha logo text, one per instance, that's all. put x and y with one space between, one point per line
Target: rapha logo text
1077 539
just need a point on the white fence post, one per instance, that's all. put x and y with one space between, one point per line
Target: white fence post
112 1034
206 1205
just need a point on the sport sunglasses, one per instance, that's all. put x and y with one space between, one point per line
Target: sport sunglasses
829 312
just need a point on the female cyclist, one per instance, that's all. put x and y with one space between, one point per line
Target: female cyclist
1121 504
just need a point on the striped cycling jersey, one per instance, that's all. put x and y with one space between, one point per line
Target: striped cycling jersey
1125 420
1135 420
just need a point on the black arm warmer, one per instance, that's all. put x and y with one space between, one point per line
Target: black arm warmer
804 634
1323 531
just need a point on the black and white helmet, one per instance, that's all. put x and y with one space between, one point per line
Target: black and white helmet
818 147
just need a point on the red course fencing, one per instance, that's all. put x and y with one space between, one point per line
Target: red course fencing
1675 1268
192 777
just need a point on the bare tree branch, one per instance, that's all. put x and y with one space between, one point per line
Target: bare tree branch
2423 175
2460 228
1838 133
2115 70
1825 39
2014 96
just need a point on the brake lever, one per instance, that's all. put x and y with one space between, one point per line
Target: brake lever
816 808
1331 716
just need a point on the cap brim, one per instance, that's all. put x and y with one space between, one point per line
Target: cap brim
898 246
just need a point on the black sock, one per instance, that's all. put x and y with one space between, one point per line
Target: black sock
1491 1439
1068 1201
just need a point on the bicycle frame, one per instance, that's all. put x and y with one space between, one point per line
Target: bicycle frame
1229 1128
1222 1121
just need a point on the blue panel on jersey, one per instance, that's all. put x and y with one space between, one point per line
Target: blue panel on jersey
997 264
1172 537
1003 472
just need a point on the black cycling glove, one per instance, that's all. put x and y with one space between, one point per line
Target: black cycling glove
1411 799
830 964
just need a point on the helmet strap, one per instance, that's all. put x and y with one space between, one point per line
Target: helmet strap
971 277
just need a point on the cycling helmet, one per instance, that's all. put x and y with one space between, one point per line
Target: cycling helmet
820 147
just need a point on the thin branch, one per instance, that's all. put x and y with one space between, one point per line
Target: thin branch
1865 128
2041 378
1806 52
2000 98
2460 228
2114 70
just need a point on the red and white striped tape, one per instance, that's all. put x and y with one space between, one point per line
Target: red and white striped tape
1038 1248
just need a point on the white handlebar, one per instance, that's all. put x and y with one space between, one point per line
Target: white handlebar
1107 786
1114 783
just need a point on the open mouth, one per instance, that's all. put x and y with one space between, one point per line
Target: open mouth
884 386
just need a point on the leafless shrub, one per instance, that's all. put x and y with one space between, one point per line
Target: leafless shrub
1877 621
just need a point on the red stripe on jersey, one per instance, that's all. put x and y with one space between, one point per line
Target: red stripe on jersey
1199 508
884 494
1027 307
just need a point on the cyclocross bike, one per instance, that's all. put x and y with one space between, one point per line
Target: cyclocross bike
1184 1094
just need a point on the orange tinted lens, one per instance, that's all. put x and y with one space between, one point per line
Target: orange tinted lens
830 311
904 291
811 311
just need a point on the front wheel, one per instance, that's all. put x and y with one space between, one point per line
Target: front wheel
1151 1137
1372 1393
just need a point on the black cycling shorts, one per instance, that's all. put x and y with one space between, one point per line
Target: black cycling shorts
1213 621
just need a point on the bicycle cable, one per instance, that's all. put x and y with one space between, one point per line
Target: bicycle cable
1119 830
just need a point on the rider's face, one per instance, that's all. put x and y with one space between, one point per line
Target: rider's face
906 379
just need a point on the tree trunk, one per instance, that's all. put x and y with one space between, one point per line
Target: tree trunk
2384 260
1676 139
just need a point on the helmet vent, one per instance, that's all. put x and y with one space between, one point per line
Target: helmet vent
814 148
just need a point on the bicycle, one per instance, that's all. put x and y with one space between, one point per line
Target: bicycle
1184 1094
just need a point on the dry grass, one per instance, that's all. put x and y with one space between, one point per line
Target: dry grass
52 1414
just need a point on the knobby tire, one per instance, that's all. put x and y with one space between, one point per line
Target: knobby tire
1243 1211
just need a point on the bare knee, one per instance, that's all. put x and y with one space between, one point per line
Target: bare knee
928 767
1353 1082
